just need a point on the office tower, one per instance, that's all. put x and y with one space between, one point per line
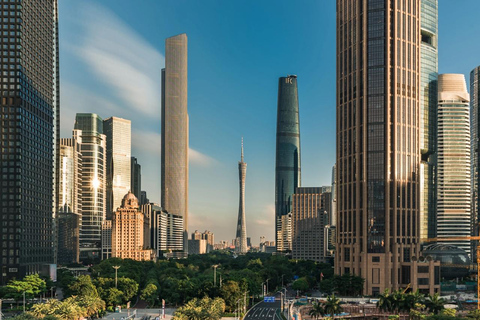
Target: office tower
454 189
106 239
241 237
169 235
136 178
175 130
70 201
128 231
143 198
29 115
89 128
333 214
150 211
475 149
378 146
310 212
287 160
118 133
428 116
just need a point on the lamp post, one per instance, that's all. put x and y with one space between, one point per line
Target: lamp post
215 274
267 284
23 301
283 298
116 269
282 280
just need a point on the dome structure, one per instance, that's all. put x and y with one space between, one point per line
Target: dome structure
129 201
454 262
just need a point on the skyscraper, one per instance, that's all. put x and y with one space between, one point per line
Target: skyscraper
175 130
136 178
241 237
475 149
118 133
29 126
378 145
287 160
428 116
454 184
89 128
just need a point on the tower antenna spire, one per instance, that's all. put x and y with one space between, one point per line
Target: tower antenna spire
242 150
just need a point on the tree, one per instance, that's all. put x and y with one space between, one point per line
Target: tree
332 306
434 303
37 284
129 288
83 286
201 309
474 314
114 296
231 293
317 310
149 294
386 301
301 284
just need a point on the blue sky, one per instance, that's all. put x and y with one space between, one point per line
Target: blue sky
111 54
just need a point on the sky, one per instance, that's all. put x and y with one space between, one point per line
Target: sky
112 53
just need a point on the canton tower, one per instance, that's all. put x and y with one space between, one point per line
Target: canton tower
241 238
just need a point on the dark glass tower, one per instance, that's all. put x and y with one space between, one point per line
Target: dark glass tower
136 181
287 161
29 127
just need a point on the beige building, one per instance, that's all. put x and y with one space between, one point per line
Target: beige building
378 146
128 231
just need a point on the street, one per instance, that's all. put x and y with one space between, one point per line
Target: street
141 313
264 311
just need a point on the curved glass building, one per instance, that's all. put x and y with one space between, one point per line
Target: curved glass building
287 161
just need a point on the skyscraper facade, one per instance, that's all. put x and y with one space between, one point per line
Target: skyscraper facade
241 236
428 116
118 133
136 178
174 180
287 160
29 125
89 128
454 184
378 144
475 148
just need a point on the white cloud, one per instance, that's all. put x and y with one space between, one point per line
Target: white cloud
267 216
197 158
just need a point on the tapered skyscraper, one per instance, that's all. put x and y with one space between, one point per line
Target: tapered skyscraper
378 143
287 161
241 237
175 130
29 136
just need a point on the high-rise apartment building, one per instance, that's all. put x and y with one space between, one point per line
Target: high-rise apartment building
475 149
378 145
454 181
136 178
118 133
89 128
287 160
29 136
428 116
174 180
241 236
310 214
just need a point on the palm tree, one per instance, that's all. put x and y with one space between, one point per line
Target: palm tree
435 303
317 310
386 301
332 306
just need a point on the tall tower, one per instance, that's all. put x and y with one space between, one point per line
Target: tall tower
428 117
118 133
378 144
454 184
29 118
241 237
89 128
475 149
175 130
287 160
136 179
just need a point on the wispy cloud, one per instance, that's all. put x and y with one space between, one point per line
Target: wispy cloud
197 158
127 64
267 216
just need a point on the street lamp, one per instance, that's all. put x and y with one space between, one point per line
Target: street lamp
215 274
116 269
23 301
282 280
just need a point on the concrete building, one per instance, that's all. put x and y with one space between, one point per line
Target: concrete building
128 231
150 211
89 129
310 215
378 145
174 180
118 133
136 178
197 246
106 239
29 136
167 233
241 236
287 159
454 184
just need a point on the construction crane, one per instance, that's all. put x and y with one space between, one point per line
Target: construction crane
473 238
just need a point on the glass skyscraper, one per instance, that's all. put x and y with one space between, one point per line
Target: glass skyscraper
29 124
118 133
475 149
136 178
454 184
89 127
287 160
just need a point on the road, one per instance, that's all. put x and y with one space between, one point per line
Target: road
140 313
264 311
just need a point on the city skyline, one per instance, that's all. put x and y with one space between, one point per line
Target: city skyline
213 203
